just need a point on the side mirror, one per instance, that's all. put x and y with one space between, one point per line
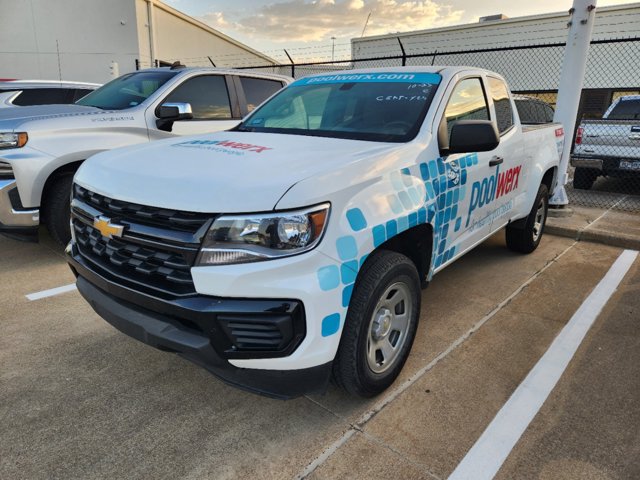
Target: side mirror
472 136
174 111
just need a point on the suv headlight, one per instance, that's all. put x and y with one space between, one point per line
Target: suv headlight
13 140
263 236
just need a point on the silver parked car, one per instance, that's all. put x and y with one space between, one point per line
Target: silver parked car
42 92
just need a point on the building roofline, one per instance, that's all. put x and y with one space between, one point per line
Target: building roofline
208 29
467 26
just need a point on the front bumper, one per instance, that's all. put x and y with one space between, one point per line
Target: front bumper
191 328
13 217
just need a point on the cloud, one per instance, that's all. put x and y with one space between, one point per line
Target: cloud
308 21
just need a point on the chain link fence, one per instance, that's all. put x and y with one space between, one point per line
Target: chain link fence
605 159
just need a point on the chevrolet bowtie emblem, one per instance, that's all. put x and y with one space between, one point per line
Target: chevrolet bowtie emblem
106 228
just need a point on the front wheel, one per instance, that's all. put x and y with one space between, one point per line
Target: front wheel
380 325
56 209
524 235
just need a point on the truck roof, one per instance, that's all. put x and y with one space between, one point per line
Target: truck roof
224 71
445 71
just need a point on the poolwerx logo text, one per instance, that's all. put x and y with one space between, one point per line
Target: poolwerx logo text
226 143
489 189
363 76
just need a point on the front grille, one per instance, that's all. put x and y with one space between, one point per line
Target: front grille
156 251
142 214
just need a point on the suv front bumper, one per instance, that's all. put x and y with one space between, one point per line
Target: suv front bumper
192 327
13 217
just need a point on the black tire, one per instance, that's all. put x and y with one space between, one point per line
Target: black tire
524 235
56 208
382 273
583 178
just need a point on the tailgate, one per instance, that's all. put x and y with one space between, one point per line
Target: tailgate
610 138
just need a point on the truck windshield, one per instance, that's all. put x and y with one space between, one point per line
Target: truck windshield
626 110
126 91
383 107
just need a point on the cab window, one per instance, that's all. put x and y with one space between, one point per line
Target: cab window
467 102
208 96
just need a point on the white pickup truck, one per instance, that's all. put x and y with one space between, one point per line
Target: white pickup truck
41 147
295 246
609 147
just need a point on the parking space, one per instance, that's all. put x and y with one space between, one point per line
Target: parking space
79 399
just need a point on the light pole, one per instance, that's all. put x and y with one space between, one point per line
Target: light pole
333 47
571 81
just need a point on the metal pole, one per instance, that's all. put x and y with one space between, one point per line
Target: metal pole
333 47
293 65
404 54
571 81
152 34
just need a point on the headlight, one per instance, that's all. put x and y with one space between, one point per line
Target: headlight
13 140
263 236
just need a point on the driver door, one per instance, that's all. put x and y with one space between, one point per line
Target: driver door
214 107
465 205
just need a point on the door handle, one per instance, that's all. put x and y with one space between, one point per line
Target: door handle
495 161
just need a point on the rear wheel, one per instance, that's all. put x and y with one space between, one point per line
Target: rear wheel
524 236
380 326
583 178
56 208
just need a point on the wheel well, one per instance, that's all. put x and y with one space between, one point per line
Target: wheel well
549 179
69 168
417 244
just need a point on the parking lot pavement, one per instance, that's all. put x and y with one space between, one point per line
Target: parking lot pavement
80 400
588 428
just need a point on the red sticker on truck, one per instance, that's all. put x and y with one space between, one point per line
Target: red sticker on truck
248 147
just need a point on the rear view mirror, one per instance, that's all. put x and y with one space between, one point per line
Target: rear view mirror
175 111
472 136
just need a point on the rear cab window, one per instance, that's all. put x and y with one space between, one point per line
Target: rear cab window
501 103
43 96
384 107
626 110
257 90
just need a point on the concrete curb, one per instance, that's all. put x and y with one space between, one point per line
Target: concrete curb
586 234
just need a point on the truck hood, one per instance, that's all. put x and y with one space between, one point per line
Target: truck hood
13 118
224 172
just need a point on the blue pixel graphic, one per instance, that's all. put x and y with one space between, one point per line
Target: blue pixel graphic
438 204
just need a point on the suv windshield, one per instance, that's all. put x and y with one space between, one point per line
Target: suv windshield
383 107
126 91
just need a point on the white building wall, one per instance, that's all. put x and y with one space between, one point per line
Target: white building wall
611 22
93 33
90 34
178 37
532 69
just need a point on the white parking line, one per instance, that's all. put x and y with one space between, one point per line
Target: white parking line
391 396
51 292
493 447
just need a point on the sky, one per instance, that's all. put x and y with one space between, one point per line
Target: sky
306 27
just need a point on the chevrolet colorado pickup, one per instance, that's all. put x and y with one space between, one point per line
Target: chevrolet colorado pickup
294 247
41 147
